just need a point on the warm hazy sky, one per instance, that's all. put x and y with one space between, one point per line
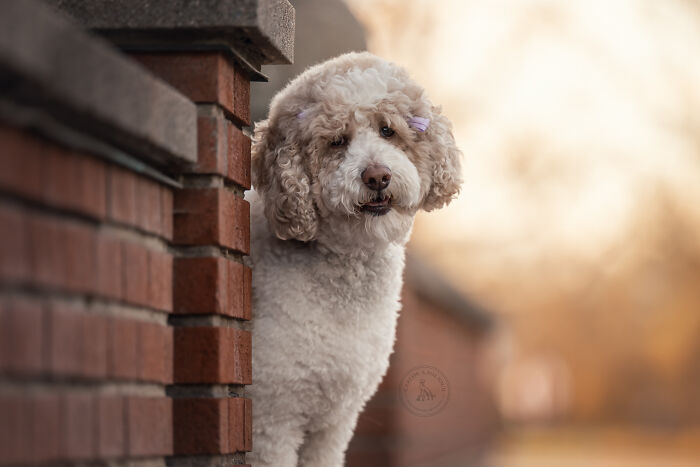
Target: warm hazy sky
575 119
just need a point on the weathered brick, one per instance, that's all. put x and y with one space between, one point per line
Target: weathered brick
46 428
93 175
110 426
156 353
239 290
241 92
22 162
78 417
80 257
22 340
122 196
110 266
160 280
204 77
62 254
241 366
136 273
200 286
95 350
67 340
240 424
166 208
14 249
63 185
239 157
150 426
148 205
201 426
212 217
212 147
47 255
212 355
15 430
125 351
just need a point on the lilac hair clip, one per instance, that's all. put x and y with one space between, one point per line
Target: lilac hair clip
419 123
303 113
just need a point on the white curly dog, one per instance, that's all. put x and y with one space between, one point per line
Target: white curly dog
351 150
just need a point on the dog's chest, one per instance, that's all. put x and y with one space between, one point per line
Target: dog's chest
332 320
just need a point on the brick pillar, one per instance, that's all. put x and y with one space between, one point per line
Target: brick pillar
211 236
123 228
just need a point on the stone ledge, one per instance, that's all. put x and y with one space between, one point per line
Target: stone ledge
47 63
257 32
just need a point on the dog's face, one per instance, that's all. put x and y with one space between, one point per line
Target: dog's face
351 150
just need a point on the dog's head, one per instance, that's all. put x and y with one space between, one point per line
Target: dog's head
351 150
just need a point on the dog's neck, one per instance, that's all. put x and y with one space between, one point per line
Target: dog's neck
358 243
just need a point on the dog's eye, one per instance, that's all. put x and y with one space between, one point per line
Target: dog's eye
386 132
340 141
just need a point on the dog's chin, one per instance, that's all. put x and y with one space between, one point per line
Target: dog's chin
377 207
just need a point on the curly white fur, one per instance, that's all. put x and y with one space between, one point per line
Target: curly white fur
327 275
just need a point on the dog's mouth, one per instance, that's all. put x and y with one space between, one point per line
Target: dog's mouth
378 206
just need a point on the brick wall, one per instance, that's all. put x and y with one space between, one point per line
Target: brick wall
123 230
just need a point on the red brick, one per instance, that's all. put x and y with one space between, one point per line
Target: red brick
67 340
78 418
15 430
240 424
124 349
236 226
212 147
204 77
95 356
241 91
74 181
241 366
148 205
14 250
239 290
156 352
212 355
93 199
110 427
47 246
22 162
200 286
212 217
160 280
166 209
62 254
63 185
122 196
80 250
239 157
150 426
201 426
110 267
22 337
46 428
136 273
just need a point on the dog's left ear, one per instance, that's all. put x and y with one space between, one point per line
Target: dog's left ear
447 166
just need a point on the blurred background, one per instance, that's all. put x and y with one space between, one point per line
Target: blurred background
563 302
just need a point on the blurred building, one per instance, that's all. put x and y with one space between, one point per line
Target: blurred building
434 407
324 29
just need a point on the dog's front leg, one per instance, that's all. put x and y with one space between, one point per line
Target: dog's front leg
326 447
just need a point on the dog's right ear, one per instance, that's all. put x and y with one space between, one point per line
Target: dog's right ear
279 177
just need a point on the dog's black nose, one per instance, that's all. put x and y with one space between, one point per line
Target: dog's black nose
376 177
